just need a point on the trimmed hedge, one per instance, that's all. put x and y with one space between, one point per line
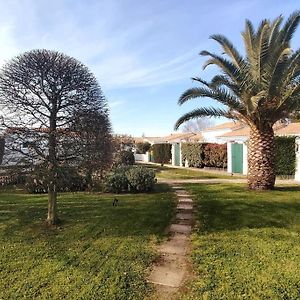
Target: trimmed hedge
130 179
161 153
285 155
215 155
205 155
193 153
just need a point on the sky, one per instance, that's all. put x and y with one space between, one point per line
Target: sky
143 52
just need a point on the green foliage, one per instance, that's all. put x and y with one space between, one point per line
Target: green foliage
142 148
247 244
68 180
162 153
215 155
124 157
205 154
130 179
285 155
140 179
250 86
194 153
101 252
117 181
2 145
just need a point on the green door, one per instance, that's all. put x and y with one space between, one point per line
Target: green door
177 154
237 158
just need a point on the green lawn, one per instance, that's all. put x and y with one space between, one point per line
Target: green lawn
186 173
247 244
98 252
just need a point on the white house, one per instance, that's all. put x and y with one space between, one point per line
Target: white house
237 149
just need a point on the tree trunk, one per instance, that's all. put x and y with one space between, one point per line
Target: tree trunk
52 218
261 159
52 210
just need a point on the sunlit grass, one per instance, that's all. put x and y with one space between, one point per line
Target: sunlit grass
247 244
98 252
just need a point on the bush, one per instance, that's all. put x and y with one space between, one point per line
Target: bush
193 153
130 179
285 155
162 153
68 180
142 148
140 179
117 182
215 155
124 157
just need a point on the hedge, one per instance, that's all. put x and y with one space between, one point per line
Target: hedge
204 155
142 148
285 155
161 153
193 153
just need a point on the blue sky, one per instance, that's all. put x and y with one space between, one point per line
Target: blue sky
142 52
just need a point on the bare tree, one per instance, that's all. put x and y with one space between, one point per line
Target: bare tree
197 125
95 143
41 93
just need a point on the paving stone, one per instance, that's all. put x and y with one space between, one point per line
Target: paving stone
181 228
177 244
184 206
169 271
176 187
185 200
184 216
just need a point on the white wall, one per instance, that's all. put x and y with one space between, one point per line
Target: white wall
245 158
229 158
212 136
142 157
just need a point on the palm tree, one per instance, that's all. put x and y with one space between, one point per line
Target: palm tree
258 89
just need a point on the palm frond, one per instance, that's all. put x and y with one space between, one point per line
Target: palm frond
221 95
202 112
290 27
224 64
230 50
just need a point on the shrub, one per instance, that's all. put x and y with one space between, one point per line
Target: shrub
141 179
193 153
68 180
124 157
161 153
285 155
142 148
130 179
215 155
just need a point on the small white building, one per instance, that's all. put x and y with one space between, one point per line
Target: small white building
237 149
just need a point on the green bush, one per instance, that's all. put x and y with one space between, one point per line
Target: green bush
142 148
215 155
130 179
68 180
161 153
141 179
124 157
193 153
285 155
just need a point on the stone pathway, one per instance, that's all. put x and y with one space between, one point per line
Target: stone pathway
169 272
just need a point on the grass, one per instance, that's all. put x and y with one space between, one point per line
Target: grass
99 252
247 244
186 173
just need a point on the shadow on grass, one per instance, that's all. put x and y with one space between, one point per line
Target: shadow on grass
93 215
222 207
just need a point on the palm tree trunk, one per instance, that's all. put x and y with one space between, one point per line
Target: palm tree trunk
261 159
